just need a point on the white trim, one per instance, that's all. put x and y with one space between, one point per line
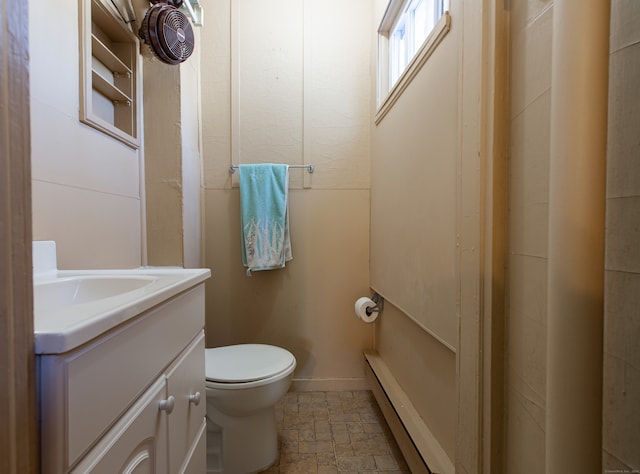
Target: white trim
421 325
390 16
438 33
234 91
307 21
99 15
411 455
423 439
142 170
194 10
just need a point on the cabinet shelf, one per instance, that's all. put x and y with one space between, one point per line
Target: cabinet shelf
107 57
107 89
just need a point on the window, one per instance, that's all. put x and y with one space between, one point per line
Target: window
408 34
411 28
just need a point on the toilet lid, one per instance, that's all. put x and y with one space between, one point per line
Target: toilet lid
246 362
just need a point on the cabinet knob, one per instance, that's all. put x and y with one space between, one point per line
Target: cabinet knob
168 404
195 398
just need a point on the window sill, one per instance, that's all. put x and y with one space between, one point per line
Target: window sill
440 30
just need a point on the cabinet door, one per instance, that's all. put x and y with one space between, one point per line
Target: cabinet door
137 444
185 382
196 462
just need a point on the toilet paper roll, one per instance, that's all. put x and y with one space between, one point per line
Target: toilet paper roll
362 305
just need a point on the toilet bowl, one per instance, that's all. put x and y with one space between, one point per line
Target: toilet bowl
243 383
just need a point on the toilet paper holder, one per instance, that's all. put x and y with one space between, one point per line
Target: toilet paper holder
379 301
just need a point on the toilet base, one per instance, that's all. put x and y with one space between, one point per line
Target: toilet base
241 445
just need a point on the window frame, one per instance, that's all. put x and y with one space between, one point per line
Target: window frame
109 79
388 94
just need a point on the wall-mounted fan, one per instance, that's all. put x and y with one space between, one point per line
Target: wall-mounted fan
168 32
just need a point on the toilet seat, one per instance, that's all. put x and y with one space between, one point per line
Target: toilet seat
246 363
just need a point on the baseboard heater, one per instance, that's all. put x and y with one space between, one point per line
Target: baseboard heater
420 449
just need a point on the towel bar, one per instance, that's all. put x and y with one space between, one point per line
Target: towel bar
310 168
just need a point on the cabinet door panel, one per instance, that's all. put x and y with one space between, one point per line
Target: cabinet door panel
163 332
137 444
185 382
196 462
141 461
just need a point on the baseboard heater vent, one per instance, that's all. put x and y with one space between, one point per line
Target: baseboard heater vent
421 450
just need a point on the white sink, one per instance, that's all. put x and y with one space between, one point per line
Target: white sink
49 296
72 307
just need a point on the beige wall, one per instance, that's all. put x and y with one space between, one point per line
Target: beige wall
526 285
413 206
163 163
191 126
525 352
173 160
87 190
317 90
531 24
293 92
426 370
86 185
417 163
621 418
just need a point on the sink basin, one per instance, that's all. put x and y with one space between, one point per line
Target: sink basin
73 307
53 295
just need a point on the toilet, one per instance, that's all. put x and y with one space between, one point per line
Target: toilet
243 383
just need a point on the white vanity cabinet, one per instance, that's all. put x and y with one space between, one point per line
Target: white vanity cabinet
130 400
136 443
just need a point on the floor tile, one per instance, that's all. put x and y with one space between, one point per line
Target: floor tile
339 432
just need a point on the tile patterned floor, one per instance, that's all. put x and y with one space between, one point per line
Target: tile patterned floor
334 432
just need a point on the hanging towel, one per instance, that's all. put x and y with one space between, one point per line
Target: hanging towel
264 216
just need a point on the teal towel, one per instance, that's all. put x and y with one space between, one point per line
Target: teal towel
264 216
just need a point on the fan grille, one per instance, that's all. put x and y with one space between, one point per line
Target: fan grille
177 35
168 33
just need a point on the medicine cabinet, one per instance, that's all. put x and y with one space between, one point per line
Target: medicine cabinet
108 72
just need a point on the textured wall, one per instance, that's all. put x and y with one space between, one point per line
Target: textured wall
280 84
173 160
529 183
621 427
531 25
86 185
163 162
414 206
415 215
